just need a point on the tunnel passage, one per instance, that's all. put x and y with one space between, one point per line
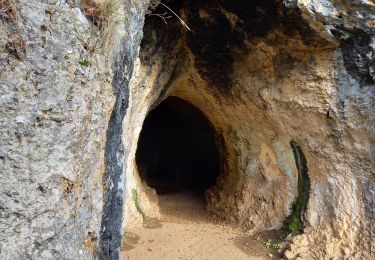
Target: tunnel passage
176 149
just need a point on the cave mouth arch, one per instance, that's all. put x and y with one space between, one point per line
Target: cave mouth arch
176 150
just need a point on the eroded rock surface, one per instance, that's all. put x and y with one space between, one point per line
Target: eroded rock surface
265 73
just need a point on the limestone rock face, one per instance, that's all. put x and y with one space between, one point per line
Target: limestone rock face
56 101
267 74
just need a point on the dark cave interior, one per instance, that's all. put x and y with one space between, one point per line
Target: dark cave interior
176 149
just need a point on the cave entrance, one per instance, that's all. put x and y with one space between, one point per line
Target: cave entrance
176 150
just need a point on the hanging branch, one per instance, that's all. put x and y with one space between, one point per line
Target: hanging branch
164 17
182 21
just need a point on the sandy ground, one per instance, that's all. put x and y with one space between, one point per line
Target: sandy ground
186 231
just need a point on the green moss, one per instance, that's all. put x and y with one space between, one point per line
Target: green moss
295 220
136 202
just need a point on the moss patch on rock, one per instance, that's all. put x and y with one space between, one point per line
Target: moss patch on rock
296 219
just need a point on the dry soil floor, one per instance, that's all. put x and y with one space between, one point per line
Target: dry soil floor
186 231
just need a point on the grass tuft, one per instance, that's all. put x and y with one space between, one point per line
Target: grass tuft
96 12
106 15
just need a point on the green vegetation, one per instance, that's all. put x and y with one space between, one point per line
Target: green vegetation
272 245
106 15
247 234
78 34
85 63
136 202
295 220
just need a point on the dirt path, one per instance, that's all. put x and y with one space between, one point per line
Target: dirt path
186 231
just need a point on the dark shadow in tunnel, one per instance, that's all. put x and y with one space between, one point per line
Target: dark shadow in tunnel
176 149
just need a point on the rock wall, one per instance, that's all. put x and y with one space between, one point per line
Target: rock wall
285 74
265 73
58 91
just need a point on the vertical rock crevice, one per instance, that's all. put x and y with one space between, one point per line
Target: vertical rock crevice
296 219
111 234
111 231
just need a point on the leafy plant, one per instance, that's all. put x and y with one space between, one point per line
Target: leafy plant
272 245
85 63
